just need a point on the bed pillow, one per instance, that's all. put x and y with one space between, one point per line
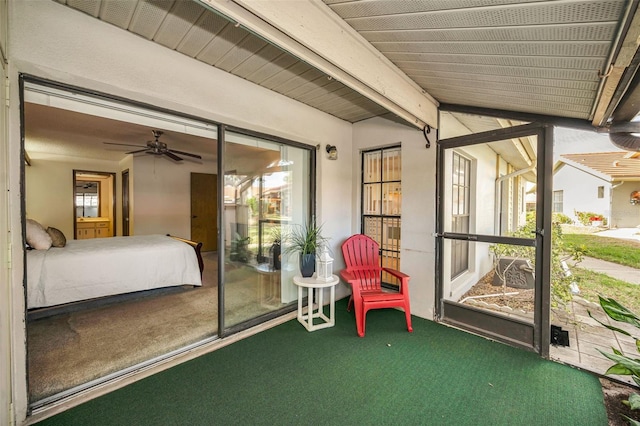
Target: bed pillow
57 237
37 237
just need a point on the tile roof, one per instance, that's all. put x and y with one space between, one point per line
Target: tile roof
615 165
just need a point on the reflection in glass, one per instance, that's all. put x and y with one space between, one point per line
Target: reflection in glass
266 193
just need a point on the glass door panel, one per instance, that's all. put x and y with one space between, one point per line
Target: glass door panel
266 192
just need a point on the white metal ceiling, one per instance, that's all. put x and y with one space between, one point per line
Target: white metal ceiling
532 56
520 55
189 28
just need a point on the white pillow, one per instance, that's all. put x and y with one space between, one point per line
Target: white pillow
37 236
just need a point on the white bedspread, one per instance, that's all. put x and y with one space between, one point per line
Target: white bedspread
86 269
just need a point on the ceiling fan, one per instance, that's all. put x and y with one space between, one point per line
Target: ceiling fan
156 147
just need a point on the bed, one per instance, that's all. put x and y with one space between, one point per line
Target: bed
92 268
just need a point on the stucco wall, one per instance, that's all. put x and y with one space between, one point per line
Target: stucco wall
623 213
417 255
5 294
481 220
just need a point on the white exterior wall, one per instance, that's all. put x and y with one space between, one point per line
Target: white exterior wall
6 318
51 41
482 219
417 254
580 192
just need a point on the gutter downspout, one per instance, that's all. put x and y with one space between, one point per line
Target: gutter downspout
499 180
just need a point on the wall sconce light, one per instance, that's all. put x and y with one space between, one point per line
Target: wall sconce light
635 198
332 151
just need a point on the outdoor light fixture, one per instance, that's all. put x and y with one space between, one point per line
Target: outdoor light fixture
332 151
325 265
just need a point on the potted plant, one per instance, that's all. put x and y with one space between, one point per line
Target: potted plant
596 220
305 240
275 249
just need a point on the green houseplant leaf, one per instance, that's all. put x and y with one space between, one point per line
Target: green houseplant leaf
618 312
304 239
624 364
634 401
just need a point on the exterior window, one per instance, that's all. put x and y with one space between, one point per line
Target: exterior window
460 212
382 202
601 192
557 201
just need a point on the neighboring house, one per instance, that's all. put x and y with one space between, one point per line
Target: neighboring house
601 183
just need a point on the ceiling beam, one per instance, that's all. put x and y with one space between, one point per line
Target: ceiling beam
313 33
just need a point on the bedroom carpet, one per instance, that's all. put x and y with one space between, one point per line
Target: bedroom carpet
70 349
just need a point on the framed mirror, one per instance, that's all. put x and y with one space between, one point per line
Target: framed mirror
87 198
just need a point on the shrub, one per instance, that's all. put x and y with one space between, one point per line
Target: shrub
561 218
624 365
586 218
560 281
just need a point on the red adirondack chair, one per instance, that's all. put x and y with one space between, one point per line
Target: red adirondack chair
364 275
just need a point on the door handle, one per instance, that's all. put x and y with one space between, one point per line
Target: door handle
194 217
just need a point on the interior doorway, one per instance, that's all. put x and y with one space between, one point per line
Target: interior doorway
125 203
204 208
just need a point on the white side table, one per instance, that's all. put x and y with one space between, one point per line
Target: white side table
312 284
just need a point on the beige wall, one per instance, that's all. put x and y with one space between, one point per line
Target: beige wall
623 213
162 195
49 189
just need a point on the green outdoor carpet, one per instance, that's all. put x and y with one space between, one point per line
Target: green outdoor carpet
288 376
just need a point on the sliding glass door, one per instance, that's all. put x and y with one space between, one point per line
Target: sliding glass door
267 190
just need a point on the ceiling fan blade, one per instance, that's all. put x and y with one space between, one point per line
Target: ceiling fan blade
185 153
172 156
136 151
121 144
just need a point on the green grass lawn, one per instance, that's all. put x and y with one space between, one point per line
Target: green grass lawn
623 252
592 284
616 250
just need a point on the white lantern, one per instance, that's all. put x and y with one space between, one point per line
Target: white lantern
325 266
